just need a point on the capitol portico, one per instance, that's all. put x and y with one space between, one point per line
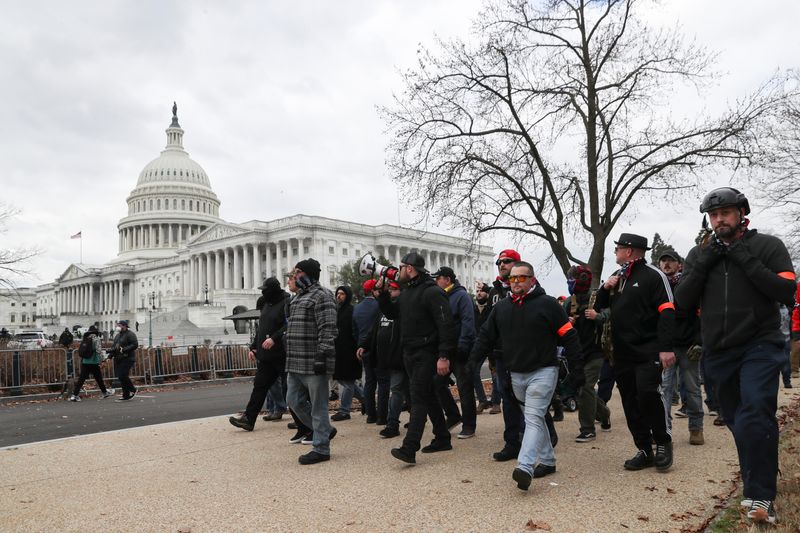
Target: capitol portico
195 268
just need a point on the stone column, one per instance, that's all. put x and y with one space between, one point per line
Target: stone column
246 266
209 271
226 271
268 262
237 269
278 263
121 307
256 267
218 269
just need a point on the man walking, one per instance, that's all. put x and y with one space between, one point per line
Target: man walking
531 326
642 320
123 350
428 345
310 357
739 277
687 349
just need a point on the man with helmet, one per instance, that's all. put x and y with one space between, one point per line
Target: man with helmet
739 277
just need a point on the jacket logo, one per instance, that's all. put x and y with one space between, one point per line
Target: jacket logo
635 284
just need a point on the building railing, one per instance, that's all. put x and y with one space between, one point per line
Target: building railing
28 371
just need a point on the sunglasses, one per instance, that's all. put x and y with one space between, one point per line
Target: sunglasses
518 279
504 261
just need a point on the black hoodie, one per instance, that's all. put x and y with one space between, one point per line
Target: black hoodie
348 367
272 324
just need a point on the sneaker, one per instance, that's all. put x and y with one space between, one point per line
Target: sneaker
74 398
482 406
762 511
389 432
719 421
495 409
124 398
506 454
274 417
466 433
713 412
522 477
437 445
298 437
558 415
641 460
338 417
371 419
312 458
681 413
308 439
605 425
787 384
696 437
333 396
452 422
292 425
543 470
663 459
241 422
585 436
109 392
133 393
404 455
747 503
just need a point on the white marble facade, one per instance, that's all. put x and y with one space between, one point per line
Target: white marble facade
173 245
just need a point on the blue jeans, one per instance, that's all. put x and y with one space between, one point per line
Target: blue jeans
512 413
308 397
398 383
349 388
536 390
690 378
277 395
746 379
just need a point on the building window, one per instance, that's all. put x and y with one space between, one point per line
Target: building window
294 252
331 251
174 204
305 249
151 205
344 252
283 253
13 318
333 279
358 252
34 304
158 204
23 318
183 204
13 304
24 304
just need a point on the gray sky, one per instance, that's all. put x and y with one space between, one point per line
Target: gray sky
278 103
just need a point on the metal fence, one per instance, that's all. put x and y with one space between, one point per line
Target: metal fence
23 370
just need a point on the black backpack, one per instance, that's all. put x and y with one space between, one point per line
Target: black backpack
85 350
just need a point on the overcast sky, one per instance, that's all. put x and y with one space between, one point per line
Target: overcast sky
278 102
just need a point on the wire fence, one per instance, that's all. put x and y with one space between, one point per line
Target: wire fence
31 371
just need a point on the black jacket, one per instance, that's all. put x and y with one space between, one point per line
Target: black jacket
739 292
531 334
272 324
687 322
642 314
348 367
498 292
384 343
589 331
426 316
125 344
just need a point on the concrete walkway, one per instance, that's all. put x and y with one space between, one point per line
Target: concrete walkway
206 475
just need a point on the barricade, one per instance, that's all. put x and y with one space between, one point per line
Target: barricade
194 361
232 358
21 370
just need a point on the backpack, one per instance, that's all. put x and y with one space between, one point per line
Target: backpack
86 350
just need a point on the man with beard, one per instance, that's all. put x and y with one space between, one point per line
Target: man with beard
687 349
267 350
531 326
348 367
642 321
739 277
428 345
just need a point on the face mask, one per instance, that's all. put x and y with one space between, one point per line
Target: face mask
118 329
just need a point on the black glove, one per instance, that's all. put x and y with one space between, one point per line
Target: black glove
708 256
576 378
320 367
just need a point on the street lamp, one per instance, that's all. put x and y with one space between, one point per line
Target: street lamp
205 290
150 318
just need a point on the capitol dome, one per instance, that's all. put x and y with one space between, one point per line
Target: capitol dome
171 203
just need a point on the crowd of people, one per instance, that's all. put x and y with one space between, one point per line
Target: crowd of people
711 320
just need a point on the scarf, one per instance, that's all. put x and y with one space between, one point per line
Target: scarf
627 268
519 299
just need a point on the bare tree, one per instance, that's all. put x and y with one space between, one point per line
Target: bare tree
555 119
13 262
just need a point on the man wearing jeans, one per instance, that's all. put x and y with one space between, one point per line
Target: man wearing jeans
310 357
531 326
739 277
686 345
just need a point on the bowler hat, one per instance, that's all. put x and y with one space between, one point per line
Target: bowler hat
632 240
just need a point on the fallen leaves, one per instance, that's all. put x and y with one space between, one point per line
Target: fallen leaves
536 525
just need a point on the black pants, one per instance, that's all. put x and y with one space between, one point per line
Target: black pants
266 375
638 384
86 370
466 395
421 368
122 368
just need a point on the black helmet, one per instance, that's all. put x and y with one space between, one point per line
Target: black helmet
724 197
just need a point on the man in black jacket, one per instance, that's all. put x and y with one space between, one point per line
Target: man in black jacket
739 277
531 326
267 350
428 342
124 353
642 321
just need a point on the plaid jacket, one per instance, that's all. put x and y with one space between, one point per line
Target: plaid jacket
311 330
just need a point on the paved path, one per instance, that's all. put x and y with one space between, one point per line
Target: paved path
205 475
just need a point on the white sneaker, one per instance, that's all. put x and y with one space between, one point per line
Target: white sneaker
74 398
108 392
747 503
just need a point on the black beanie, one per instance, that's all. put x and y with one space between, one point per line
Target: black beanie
310 267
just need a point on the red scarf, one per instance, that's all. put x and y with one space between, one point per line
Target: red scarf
518 299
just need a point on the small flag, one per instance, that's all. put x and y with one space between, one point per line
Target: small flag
76 236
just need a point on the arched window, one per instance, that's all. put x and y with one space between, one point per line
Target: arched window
158 204
13 318
150 207
174 203
183 205
190 205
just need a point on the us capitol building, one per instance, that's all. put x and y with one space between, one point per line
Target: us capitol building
178 257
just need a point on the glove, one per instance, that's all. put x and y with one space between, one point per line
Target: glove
708 256
576 378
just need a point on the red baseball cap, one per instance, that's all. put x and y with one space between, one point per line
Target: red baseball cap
394 285
369 285
511 254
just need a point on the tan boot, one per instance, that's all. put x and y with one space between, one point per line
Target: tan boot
696 437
